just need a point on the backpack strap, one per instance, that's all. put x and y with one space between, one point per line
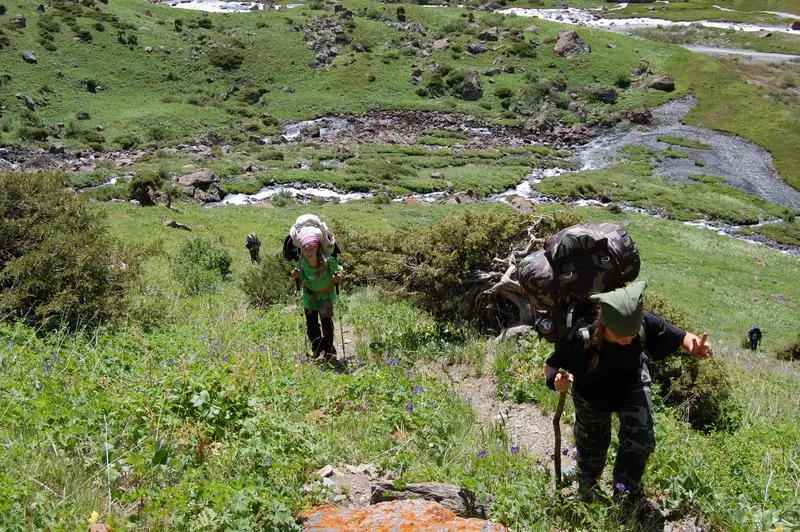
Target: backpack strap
643 338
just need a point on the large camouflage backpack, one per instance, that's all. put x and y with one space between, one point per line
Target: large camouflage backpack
577 261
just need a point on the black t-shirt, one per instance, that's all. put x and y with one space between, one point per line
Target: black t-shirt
607 386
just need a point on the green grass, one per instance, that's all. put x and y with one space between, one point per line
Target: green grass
686 143
634 183
782 232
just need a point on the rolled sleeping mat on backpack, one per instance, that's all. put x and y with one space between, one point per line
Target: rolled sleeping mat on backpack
312 222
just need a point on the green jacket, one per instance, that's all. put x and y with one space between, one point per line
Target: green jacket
317 288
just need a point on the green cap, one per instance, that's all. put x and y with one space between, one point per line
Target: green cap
622 309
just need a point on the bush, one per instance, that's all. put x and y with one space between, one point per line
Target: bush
200 264
142 187
58 265
702 391
790 351
225 58
622 79
264 282
206 23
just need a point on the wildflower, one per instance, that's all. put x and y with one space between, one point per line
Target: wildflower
391 361
225 358
417 390
94 518
55 358
577 454
410 373
565 451
268 462
360 360
482 453
512 474
620 487
409 406
47 367
514 449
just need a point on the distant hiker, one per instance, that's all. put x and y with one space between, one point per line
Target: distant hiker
253 245
611 376
754 335
319 274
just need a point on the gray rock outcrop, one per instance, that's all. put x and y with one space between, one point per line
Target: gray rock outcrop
570 44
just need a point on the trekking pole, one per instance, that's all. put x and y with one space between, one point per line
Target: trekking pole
562 397
341 327
302 315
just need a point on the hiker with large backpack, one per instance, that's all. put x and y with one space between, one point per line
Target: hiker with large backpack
318 273
602 337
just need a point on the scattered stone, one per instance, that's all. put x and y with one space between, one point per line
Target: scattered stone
359 48
288 90
99 527
641 115
492 34
99 128
41 162
472 90
458 500
523 205
570 44
763 34
28 57
440 45
325 471
437 175
493 72
532 29
577 108
465 198
82 115
796 25
476 48
56 149
148 49
19 21
26 100
176 225
611 45
662 83
509 69
606 94
40 8
394 515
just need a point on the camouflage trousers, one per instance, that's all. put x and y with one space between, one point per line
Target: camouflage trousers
636 438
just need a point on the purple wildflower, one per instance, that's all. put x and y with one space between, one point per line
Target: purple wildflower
410 373
360 360
577 454
409 406
417 390
565 451
512 474
47 367
268 462
482 453
225 359
514 449
55 358
366 404
391 361
620 487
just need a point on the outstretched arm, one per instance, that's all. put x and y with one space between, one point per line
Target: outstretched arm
558 380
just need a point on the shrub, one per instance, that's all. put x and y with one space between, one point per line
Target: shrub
504 92
622 79
790 351
702 391
225 58
142 187
58 264
206 23
282 199
263 283
200 264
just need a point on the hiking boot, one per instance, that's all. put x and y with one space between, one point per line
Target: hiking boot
642 510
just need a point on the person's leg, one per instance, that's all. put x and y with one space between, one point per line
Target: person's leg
314 333
592 438
637 438
327 336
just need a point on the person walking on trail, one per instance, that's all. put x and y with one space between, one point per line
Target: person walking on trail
754 335
610 376
318 274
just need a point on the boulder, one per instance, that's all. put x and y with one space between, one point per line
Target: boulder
28 57
176 225
493 72
26 100
19 21
472 90
796 25
662 83
40 162
523 205
394 515
462 198
6 166
201 179
641 115
413 201
492 34
606 94
82 115
476 48
440 45
532 29
570 44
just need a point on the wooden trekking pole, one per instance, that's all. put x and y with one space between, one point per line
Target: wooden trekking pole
562 397
341 327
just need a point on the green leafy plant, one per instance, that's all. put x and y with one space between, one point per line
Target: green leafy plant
200 264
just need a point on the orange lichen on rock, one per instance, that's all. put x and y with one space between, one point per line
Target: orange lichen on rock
395 516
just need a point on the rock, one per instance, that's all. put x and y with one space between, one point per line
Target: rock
40 162
288 90
763 34
28 57
662 83
99 527
19 21
176 225
214 194
359 48
570 44
532 29
82 115
458 500
26 100
523 205
440 45
148 49
56 149
200 179
415 80
437 175
611 45
492 34
641 115
509 69
796 25
491 6
40 8
472 90
325 471
413 201
394 515
466 197
6 166
577 108
476 48
606 94
493 72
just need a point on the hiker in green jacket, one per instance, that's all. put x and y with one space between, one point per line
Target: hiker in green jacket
319 274
610 376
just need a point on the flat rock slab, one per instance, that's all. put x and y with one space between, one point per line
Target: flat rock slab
417 515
